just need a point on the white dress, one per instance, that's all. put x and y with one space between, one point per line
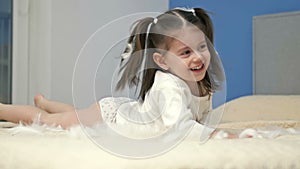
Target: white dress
168 103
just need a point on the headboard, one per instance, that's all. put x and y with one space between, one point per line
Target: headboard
276 53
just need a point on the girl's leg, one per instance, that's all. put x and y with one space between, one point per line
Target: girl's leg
86 117
17 113
51 106
26 114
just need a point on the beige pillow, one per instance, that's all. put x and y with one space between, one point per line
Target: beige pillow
261 107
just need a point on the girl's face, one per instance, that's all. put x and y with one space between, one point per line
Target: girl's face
188 56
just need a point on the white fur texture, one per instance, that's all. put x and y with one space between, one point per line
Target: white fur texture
46 147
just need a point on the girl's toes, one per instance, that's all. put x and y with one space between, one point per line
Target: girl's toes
38 100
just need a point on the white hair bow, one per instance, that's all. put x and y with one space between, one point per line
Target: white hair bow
187 9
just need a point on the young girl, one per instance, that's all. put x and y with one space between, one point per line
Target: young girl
171 61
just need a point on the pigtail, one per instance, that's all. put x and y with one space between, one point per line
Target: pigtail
214 77
133 58
208 29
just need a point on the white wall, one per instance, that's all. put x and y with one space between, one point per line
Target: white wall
276 53
73 22
70 24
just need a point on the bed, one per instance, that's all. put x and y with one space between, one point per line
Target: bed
45 147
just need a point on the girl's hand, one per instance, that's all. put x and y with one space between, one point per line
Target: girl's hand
232 136
220 134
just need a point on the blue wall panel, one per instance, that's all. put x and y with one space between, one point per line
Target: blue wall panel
233 35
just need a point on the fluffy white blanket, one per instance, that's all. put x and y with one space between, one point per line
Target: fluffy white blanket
40 147
274 118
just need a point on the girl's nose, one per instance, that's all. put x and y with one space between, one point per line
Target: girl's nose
197 56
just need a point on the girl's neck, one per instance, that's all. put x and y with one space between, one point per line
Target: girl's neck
196 88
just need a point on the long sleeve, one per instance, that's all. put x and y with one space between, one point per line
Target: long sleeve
169 105
164 105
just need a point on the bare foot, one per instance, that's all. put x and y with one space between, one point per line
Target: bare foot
51 106
38 101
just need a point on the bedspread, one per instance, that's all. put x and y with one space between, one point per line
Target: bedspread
44 147
54 148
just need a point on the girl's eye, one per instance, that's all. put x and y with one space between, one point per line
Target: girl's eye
202 47
185 53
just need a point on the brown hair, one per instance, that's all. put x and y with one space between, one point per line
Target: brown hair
157 38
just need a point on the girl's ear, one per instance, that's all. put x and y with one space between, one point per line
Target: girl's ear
160 61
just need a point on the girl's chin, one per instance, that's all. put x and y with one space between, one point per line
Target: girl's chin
194 79
191 77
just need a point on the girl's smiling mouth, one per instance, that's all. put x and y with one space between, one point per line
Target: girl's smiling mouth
198 68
